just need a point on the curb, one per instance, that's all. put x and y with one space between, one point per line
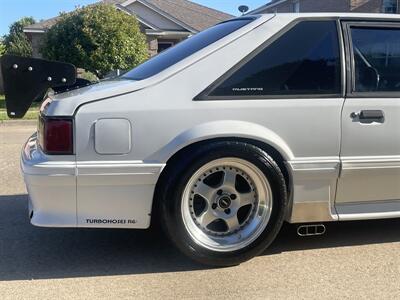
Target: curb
18 123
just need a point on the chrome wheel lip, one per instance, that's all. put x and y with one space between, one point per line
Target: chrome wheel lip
250 231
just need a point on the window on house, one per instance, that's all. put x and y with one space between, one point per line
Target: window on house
162 46
304 61
296 6
390 6
377 59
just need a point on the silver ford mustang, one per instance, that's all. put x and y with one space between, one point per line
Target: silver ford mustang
254 122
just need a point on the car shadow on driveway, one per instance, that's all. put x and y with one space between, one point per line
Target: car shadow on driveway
338 234
28 252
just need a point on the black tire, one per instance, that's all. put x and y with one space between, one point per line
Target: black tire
175 178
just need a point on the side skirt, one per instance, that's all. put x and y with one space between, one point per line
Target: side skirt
367 211
314 189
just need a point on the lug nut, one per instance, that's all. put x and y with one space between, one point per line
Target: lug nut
214 206
233 196
227 211
219 193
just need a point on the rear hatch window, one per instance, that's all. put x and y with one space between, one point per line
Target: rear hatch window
186 48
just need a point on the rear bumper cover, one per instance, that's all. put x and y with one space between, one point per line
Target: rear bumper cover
97 194
51 185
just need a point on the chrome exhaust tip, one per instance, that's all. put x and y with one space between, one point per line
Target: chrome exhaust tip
311 230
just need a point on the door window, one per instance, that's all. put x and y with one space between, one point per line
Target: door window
303 61
376 54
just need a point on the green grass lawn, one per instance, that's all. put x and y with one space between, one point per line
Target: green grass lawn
30 115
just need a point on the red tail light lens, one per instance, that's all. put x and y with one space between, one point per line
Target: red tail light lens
56 136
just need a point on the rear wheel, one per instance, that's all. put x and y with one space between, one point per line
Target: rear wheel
224 203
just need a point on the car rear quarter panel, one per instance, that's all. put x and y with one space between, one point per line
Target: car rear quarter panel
164 118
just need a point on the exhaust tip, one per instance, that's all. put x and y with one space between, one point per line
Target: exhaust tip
311 230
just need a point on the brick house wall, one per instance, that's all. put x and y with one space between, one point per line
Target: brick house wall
325 5
367 6
281 8
372 6
356 3
152 43
311 6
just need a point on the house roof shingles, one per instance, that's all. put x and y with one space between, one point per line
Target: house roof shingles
193 15
43 25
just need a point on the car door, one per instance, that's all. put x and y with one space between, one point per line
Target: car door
369 183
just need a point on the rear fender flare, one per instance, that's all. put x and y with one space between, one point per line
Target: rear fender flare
223 129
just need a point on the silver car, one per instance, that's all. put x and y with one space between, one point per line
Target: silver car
254 122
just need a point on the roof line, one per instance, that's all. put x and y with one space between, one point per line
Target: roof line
27 30
127 2
164 14
167 32
140 19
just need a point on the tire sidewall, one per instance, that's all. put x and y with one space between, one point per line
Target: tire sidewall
184 170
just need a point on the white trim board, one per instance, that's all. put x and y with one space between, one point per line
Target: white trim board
162 13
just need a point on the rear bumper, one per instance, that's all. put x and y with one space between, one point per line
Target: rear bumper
97 194
51 184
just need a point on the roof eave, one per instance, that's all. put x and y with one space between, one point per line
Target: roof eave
141 20
164 14
33 30
167 33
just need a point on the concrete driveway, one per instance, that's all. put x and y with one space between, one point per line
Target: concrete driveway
353 260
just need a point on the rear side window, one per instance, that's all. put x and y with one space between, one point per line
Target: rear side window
303 61
376 53
186 48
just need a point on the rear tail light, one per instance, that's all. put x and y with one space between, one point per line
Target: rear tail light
56 135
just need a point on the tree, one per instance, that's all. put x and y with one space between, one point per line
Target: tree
2 48
16 41
98 38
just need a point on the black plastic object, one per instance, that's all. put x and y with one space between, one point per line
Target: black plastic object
372 115
79 83
27 80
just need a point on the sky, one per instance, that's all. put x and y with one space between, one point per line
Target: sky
12 10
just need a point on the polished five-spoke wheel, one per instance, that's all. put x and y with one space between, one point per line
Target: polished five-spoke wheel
223 202
226 204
